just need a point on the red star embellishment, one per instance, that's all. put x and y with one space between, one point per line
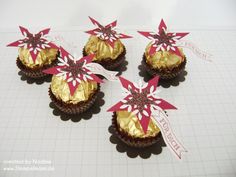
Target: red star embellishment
34 42
74 71
106 33
141 99
162 40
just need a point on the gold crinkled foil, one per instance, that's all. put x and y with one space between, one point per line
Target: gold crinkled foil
102 50
163 59
129 123
61 90
45 57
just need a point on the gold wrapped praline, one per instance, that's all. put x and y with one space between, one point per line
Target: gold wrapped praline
129 123
103 50
163 59
45 57
61 90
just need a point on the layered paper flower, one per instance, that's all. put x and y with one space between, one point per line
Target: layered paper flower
106 33
34 42
141 100
163 40
73 70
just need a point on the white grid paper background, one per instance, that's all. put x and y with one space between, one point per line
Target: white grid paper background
205 121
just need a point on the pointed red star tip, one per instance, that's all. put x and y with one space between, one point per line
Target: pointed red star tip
121 79
23 30
112 24
89 58
62 49
90 18
145 33
185 34
124 36
9 45
21 27
140 32
45 31
89 31
156 79
93 20
162 25
115 22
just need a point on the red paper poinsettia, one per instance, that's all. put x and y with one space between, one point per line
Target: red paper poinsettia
162 40
34 42
141 100
106 33
73 70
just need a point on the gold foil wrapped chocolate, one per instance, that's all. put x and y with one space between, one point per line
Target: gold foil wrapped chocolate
129 123
61 90
103 50
45 57
163 59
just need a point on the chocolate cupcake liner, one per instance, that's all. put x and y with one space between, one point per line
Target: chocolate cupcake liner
164 74
108 63
70 108
132 141
36 72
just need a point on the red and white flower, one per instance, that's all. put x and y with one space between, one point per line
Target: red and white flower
73 70
163 40
141 100
106 33
34 42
